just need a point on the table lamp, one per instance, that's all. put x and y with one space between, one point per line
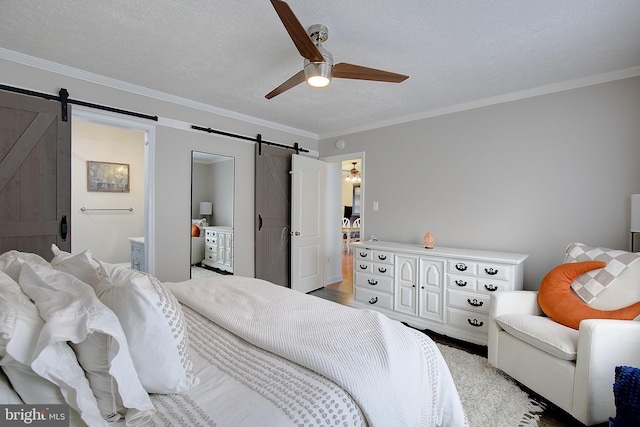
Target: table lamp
206 209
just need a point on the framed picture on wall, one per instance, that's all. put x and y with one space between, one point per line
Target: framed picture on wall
106 176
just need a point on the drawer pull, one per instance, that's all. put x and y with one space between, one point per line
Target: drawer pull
363 254
461 266
475 302
491 288
382 257
475 323
382 269
373 300
461 283
372 282
363 267
491 271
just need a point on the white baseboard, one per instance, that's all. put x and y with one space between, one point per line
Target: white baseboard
334 279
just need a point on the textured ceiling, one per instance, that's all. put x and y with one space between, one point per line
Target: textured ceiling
230 53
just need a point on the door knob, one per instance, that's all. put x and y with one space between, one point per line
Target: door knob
295 233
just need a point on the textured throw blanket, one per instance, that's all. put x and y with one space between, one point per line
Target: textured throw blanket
396 374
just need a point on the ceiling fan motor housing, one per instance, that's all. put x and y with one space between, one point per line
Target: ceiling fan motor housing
321 70
318 33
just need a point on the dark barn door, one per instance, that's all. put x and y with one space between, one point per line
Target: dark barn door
273 214
35 174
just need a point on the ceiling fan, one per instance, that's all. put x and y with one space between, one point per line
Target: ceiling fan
318 63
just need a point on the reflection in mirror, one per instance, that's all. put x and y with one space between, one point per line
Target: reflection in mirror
212 201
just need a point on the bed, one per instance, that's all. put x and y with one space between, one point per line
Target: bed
239 351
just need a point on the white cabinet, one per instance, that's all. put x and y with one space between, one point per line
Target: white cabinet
137 253
406 297
446 290
430 289
218 248
418 288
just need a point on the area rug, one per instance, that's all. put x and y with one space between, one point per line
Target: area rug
199 272
489 397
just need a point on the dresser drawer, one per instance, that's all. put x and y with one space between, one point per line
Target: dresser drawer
490 286
494 271
469 301
376 283
469 321
464 283
458 266
383 257
374 299
363 254
362 266
382 269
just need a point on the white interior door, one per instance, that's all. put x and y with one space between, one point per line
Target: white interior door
308 195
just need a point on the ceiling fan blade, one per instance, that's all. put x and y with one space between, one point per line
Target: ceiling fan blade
296 31
292 82
357 72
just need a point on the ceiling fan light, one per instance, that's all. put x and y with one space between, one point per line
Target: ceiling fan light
318 74
354 175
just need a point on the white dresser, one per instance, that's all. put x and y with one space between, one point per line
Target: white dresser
443 289
218 248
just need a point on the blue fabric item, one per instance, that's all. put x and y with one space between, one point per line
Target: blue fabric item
626 392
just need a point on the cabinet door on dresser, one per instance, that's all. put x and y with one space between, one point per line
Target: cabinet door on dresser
418 287
430 288
406 277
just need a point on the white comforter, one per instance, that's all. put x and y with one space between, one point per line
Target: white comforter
395 374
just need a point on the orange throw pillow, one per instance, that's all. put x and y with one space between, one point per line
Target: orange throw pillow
557 302
195 230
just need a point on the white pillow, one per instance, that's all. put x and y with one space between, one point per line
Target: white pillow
199 222
610 288
7 394
11 262
542 332
8 316
42 375
154 325
81 266
72 312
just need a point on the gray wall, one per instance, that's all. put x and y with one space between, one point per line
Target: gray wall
527 176
174 142
213 182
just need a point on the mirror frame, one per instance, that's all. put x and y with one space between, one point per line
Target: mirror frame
220 200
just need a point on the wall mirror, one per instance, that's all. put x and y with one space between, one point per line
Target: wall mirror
212 202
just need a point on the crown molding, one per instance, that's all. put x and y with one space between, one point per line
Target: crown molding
514 96
54 67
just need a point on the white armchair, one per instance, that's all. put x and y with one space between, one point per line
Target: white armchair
574 369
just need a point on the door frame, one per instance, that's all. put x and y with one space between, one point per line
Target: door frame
334 252
84 114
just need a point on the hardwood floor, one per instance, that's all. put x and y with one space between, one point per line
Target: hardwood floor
340 292
347 275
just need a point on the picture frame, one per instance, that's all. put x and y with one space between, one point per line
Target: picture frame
108 177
